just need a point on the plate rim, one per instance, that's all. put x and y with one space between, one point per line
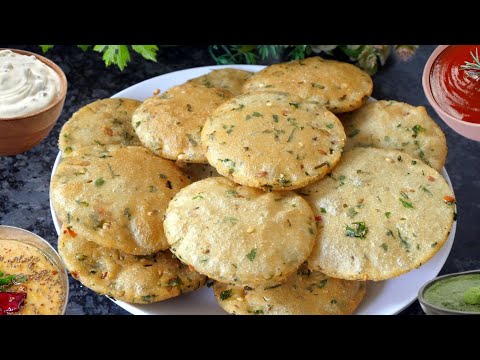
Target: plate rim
254 68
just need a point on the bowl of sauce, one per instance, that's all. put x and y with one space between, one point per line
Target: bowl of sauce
453 294
32 94
451 82
33 278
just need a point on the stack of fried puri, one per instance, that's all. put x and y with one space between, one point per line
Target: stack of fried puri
278 214
247 230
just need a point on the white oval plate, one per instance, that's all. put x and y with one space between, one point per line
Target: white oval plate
383 298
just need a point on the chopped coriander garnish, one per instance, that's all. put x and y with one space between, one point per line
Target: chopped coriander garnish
384 247
311 231
224 295
82 203
294 104
402 240
252 254
387 214
99 182
256 312
272 287
425 189
231 220
275 118
351 212
330 125
358 230
323 211
169 184
163 176
175 282
152 188
233 193
256 114
315 85
197 197
127 213
228 128
290 137
390 233
322 283
406 204
416 130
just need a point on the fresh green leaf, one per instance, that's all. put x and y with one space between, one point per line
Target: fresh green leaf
252 254
114 54
358 230
148 52
99 182
224 295
406 204
45 48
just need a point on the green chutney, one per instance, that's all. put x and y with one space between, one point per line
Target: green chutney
450 292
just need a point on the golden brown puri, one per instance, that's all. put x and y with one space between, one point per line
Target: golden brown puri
170 124
116 196
131 278
103 122
338 86
229 79
388 124
303 293
238 234
273 141
381 213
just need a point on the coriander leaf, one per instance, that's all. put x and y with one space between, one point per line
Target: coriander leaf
406 204
99 182
114 54
358 230
45 48
224 295
148 52
252 254
84 47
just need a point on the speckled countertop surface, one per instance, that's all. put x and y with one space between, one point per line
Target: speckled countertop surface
25 178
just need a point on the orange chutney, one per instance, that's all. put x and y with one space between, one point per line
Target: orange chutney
41 280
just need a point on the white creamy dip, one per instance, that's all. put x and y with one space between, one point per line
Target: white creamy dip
26 84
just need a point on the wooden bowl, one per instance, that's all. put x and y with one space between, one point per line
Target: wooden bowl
22 133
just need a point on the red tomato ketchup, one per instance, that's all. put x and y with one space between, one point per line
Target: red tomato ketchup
457 93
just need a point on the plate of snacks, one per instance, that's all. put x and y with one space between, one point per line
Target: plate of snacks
256 190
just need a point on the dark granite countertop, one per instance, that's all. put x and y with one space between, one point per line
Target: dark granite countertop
25 178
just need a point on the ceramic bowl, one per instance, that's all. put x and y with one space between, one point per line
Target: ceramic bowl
430 309
22 133
464 128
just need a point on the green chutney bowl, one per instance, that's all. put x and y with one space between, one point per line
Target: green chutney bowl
431 309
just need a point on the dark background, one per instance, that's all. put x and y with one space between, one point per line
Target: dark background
25 178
